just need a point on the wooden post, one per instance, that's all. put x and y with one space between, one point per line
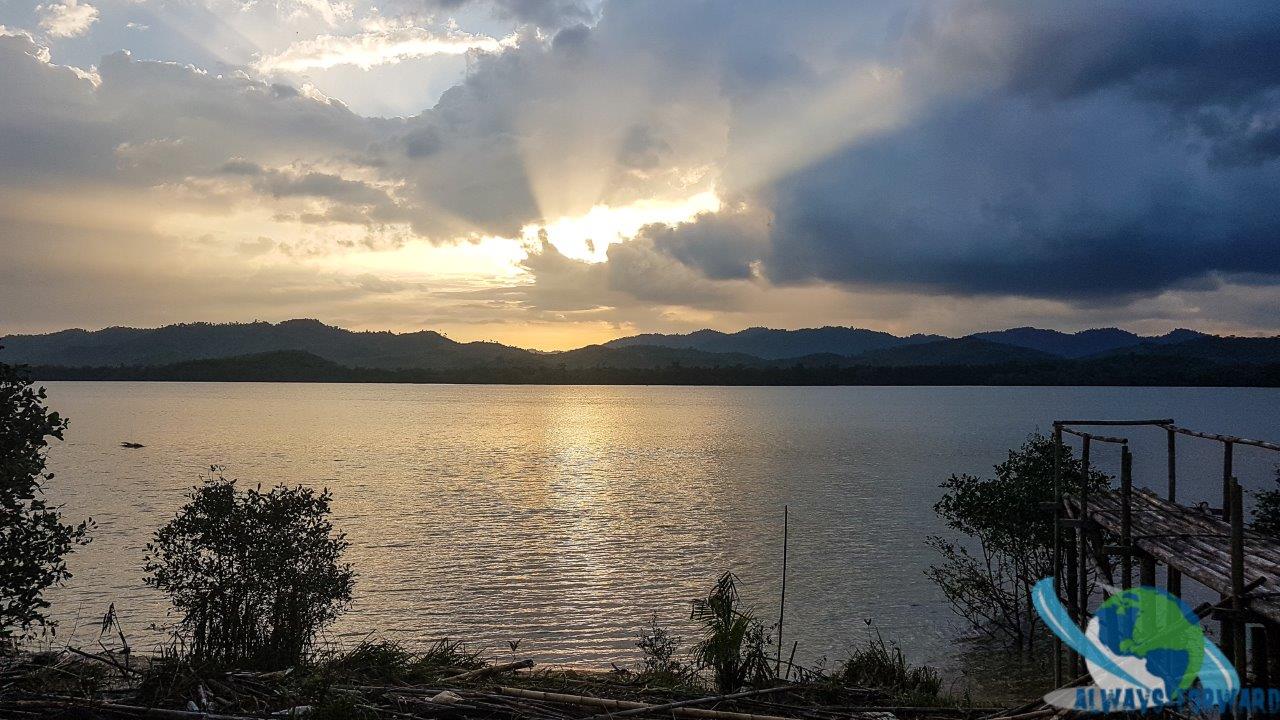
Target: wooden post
1057 550
1083 558
1226 627
1258 657
1237 576
1173 576
1272 632
1147 571
1227 474
1126 517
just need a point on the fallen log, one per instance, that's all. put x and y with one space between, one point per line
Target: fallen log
491 670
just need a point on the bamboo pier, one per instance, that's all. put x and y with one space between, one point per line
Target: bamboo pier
1209 545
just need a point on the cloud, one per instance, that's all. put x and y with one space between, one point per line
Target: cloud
550 14
942 164
69 18
385 44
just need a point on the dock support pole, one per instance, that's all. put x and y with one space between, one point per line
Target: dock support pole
1272 632
1258 657
1147 571
1083 568
1057 550
1226 627
1126 517
1237 577
1227 475
1173 577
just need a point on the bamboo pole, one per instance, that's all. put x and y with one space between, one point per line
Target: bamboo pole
1083 559
782 602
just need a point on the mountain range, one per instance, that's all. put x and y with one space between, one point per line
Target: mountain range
293 341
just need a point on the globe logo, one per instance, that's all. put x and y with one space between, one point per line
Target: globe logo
1144 648
1153 636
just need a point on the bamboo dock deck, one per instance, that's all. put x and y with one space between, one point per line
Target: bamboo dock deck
1208 545
1192 541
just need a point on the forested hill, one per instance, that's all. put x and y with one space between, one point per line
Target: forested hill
307 350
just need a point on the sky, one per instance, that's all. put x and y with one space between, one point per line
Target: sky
553 173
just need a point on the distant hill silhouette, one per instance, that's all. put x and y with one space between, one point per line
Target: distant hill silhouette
960 351
305 350
778 344
198 341
1080 344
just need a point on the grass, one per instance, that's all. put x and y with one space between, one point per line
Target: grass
882 666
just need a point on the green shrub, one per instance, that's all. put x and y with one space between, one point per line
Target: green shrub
882 666
255 574
34 542
659 664
734 644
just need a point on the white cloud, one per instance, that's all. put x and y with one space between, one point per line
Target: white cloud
380 44
66 19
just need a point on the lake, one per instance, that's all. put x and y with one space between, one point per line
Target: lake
567 517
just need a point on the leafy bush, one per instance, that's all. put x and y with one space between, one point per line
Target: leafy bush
1266 510
255 574
34 542
735 640
992 587
660 664
882 666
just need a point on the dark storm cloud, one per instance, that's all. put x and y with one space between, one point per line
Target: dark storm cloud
1058 151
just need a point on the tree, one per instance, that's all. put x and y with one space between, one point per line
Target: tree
34 542
255 574
1266 510
990 586
734 642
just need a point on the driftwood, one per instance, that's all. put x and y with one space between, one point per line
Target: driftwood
134 710
611 704
491 670
694 701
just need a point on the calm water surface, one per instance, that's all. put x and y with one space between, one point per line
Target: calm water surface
567 517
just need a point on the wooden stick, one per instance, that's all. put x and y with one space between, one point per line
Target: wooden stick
1223 438
687 703
106 659
1162 421
491 670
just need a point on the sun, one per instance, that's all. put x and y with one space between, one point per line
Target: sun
587 237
